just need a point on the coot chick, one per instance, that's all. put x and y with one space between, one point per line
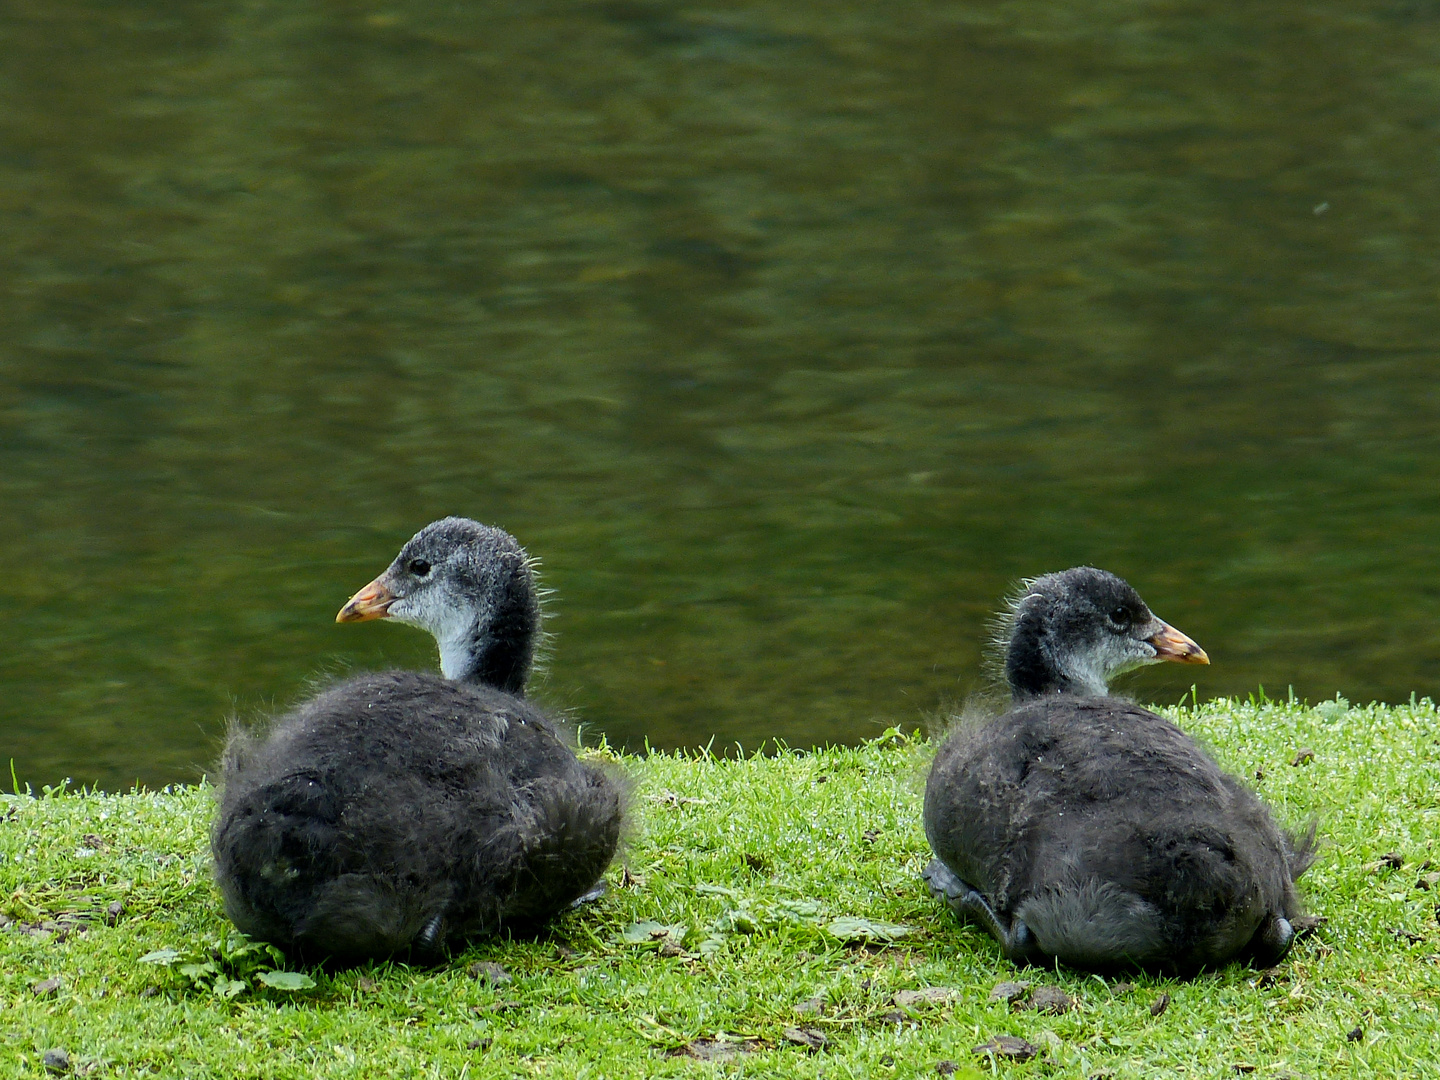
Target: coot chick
1082 828
406 812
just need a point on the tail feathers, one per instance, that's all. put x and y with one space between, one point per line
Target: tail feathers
564 838
1301 849
362 915
1096 924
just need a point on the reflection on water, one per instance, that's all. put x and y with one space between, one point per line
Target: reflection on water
786 335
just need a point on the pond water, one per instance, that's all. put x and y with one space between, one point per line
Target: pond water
787 335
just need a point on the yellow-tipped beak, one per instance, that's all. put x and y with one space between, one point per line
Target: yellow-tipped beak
371 602
1171 644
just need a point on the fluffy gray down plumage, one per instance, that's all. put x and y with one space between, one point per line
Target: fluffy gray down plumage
1087 829
406 812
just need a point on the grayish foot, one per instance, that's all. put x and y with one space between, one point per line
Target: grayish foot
595 892
1016 940
1272 941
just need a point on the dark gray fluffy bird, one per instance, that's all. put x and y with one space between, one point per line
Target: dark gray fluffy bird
1082 828
403 812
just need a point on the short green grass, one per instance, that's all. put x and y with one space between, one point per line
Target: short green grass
748 861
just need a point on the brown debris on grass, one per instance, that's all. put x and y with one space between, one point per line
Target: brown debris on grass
1010 1047
1049 999
811 1038
717 1049
1010 992
929 995
488 971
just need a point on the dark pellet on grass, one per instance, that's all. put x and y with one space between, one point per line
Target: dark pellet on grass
811 1038
46 986
946 1067
758 863
1303 757
1121 988
1268 978
1009 992
1354 1035
1391 860
1050 999
1305 925
56 1061
113 911
870 836
480 1044
1160 1005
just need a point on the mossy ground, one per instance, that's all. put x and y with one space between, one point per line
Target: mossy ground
749 860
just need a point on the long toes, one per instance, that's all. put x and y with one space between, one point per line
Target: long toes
595 892
943 883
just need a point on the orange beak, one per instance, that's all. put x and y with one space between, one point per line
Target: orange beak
1171 644
371 602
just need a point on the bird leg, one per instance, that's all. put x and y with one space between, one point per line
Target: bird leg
1016 940
429 943
1272 941
595 892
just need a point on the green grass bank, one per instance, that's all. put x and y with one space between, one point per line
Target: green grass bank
752 873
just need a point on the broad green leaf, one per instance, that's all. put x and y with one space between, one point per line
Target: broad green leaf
641 933
850 928
198 971
286 980
742 920
801 909
228 988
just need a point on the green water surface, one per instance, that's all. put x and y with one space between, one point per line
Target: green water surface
786 335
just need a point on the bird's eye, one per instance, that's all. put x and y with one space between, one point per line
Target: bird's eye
419 567
1120 617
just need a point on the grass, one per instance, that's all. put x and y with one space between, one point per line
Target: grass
747 862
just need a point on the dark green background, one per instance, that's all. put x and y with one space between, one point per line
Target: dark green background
785 334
